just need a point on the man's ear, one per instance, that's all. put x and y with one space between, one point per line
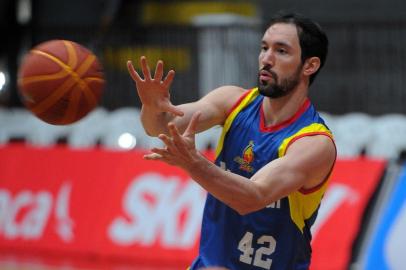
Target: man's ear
311 66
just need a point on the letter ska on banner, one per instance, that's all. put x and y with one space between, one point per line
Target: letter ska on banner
351 187
98 203
387 247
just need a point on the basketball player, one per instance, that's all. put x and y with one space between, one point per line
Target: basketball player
273 159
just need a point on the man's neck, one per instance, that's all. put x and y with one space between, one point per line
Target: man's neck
281 109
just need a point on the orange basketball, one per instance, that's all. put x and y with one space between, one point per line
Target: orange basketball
60 81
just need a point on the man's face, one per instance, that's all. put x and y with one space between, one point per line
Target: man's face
280 66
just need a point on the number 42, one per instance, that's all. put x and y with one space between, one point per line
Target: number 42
245 246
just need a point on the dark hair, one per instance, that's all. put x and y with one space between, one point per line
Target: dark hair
313 40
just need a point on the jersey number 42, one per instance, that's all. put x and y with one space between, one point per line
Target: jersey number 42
256 257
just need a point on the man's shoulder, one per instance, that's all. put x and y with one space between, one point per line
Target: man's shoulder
232 90
226 96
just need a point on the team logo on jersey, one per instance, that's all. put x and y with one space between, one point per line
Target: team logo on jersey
247 157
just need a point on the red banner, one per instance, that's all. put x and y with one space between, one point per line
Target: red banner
338 222
98 203
107 205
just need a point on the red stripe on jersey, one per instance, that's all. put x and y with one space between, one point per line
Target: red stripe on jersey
272 128
240 99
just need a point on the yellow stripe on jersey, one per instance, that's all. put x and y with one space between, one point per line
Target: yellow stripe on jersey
313 129
227 124
303 206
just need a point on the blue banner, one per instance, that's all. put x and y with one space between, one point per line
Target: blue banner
387 249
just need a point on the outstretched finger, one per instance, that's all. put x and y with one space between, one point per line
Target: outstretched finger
167 141
192 127
158 157
134 74
174 132
157 153
173 109
159 70
153 156
145 68
168 79
177 138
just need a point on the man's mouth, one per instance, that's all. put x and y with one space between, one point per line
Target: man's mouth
265 75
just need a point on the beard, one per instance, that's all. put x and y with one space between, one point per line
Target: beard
276 88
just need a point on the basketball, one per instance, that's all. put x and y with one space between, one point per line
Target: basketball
60 81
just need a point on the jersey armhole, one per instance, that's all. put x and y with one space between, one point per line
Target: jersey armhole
306 191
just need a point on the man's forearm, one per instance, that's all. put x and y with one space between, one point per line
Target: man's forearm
234 190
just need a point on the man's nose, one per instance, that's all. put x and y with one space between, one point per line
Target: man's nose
268 58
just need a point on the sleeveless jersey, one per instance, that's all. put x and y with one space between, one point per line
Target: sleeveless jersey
277 236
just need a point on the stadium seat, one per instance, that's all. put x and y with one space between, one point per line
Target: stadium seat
126 122
352 133
328 118
18 124
208 139
44 134
3 122
88 131
388 139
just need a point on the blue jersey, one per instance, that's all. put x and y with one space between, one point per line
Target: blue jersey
277 236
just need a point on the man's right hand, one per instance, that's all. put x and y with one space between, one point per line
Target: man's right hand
154 92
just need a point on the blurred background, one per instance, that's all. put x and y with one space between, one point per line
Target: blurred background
211 43
361 92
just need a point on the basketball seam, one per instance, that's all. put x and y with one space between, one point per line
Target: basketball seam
48 102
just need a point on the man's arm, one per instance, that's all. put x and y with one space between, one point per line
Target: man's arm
213 107
306 164
157 110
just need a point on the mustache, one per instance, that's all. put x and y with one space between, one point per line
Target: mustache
268 69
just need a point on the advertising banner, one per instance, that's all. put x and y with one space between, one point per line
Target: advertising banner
386 251
338 223
116 205
98 203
